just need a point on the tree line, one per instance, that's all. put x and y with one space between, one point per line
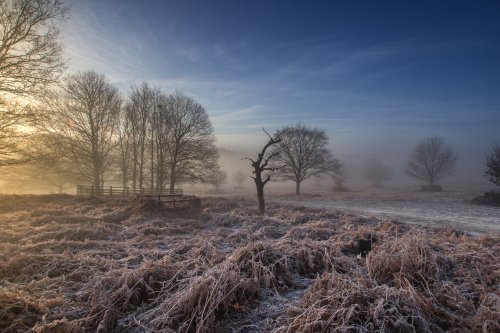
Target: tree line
148 139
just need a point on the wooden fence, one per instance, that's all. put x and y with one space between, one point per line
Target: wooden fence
82 190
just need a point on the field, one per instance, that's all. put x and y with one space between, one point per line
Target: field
447 208
85 265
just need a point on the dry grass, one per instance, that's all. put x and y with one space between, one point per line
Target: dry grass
84 265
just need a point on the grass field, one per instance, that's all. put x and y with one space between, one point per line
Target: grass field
85 265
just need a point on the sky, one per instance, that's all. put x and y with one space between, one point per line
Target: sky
377 76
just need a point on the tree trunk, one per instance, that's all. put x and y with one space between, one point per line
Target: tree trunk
260 197
172 178
297 187
97 182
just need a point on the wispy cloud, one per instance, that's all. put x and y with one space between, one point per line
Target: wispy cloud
328 81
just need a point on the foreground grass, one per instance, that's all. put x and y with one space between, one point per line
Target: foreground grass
70 265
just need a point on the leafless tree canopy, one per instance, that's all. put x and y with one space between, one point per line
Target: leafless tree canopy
432 160
377 172
30 59
217 178
493 165
83 120
340 178
304 154
13 144
30 53
192 153
140 128
239 178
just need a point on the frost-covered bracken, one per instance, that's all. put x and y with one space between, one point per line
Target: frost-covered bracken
81 265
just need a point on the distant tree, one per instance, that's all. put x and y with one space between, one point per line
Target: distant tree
432 160
493 165
377 172
340 178
260 166
217 178
239 178
83 121
30 52
304 153
192 151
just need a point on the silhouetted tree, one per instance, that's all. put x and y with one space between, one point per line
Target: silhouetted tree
30 60
260 165
192 153
83 120
14 149
124 150
432 160
493 165
304 154
217 178
377 172
239 178
142 103
161 128
30 53
340 178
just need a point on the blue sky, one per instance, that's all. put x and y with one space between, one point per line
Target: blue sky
377 75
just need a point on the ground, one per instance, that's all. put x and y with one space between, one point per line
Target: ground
447 208
84 265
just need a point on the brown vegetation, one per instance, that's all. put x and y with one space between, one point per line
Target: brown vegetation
80 265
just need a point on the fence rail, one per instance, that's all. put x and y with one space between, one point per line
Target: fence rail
82 190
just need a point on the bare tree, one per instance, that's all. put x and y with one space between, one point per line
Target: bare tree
340 178
142 103
239 178
192 151
304 154
30 52
493 165
30 60
432 160
161 128
14 148
124 150
83 119
218 178
260 165
377 172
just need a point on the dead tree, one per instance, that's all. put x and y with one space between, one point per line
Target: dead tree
260 166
